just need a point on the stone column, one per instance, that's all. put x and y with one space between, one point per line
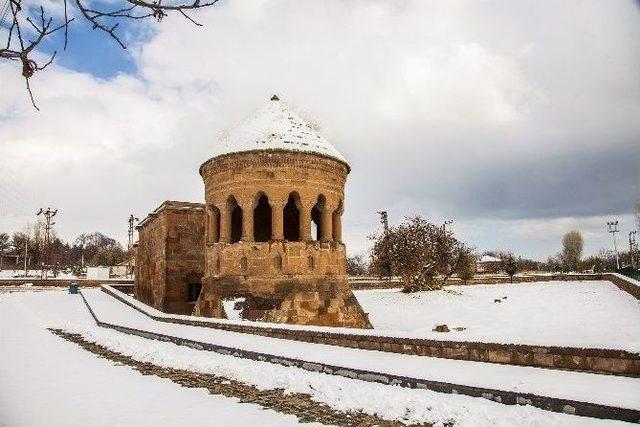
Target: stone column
207 227
325 225
225 224
214 224
277 226
247 222
337 227
305 222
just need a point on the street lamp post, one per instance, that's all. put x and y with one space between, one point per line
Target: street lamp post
132 219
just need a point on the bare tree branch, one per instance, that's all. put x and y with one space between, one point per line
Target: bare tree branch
105 20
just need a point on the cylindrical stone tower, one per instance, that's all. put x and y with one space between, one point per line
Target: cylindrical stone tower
274 200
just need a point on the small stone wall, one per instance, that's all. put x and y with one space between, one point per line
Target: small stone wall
618 362
624 284
627 285
572 407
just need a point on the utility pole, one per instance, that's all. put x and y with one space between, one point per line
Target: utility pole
132 219
613 229
48 215
26 245
384 219
386 267
633 248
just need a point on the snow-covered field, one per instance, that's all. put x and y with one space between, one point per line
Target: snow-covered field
579 314
34 274
45 380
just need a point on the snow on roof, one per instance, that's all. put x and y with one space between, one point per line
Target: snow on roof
489 258
275 127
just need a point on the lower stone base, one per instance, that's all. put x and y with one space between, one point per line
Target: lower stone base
322 301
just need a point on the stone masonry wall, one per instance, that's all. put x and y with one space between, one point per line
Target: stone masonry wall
184 257
300 280
150 269
170 256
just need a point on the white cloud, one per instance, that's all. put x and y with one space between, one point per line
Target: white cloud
468 110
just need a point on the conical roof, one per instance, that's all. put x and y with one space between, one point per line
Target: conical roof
275 127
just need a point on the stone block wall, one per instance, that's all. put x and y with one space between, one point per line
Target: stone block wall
170 256
277 258
261 208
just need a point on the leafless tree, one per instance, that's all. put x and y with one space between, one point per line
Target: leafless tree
511 265
28 25
5 244
467 267
422 253
356 265
572 244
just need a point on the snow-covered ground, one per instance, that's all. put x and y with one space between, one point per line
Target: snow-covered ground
579 314
47 381
601 389
34 274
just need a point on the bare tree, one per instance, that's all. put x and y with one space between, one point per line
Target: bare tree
511 265
28 26
572 244
422 253
467 267
356 265
4 246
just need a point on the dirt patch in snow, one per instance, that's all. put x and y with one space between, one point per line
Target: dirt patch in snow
300 405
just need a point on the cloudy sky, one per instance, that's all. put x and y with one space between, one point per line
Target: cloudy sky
518 120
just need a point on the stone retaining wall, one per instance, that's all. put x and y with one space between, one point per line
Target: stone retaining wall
624 284
505 397
630 286
618 362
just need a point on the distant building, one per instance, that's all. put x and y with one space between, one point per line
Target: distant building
120 270
489 264
98 273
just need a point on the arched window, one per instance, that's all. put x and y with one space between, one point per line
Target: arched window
291 218
262 220
316 217
236 219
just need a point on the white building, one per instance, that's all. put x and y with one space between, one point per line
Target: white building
98 273
489 264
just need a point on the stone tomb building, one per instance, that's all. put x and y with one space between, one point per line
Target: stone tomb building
268 238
